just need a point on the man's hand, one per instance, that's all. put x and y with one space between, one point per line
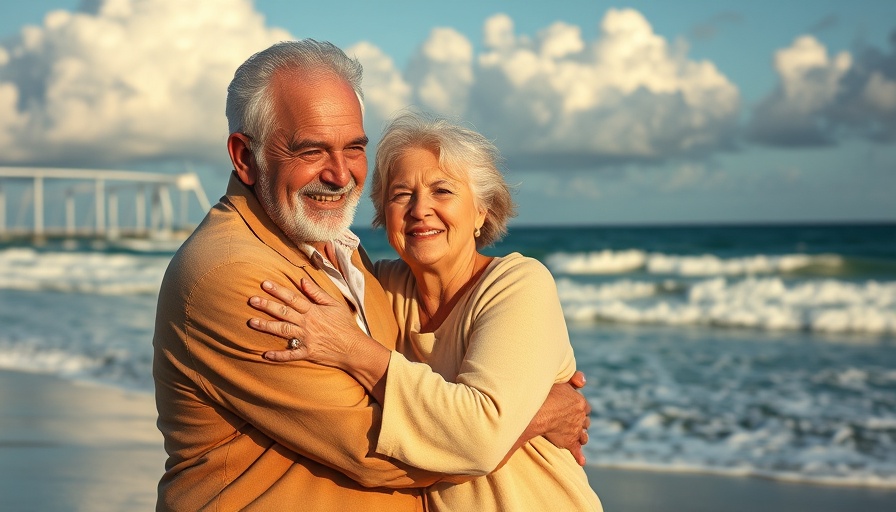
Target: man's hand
577 380
565 416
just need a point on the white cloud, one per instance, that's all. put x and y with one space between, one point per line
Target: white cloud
559 40
125 80
809 82
498 32
820 98
441 71
385 91
129 80
880 93
560 101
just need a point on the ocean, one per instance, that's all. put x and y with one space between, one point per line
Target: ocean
739 350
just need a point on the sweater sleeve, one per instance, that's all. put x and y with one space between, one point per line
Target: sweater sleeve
517 346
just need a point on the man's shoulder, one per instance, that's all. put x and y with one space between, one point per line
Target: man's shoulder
223 240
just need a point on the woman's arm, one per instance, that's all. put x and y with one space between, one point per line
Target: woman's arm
513 344
563 419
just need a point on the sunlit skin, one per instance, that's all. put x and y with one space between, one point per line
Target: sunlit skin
430 220
318 145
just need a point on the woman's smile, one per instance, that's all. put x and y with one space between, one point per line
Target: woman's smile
420 233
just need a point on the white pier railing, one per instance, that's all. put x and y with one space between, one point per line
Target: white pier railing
48 200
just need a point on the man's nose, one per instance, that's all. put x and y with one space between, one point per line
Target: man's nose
336 172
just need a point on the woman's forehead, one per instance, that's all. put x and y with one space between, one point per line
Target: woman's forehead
427 164
429 176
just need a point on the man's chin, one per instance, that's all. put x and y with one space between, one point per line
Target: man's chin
307 225
306 230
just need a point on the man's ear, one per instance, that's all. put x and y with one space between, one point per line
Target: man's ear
242 158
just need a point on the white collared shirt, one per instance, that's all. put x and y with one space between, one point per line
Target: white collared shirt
352 284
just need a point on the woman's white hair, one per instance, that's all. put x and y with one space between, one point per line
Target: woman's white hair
463 153
250 108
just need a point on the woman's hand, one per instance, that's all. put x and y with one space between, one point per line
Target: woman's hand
327 331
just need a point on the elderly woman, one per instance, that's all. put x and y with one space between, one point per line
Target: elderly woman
489 329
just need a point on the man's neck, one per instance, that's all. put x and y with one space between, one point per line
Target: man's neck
327 250
322 247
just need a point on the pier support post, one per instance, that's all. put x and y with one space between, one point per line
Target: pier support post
2 211
70 219
38 206
100 206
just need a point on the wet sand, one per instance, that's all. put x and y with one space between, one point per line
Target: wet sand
76 447
646 491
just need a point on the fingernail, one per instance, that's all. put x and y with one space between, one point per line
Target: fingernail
254 322
254 301
267 285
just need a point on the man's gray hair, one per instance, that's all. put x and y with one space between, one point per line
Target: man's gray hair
462 153
250 108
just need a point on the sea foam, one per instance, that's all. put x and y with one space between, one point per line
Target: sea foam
625 261
83 272
765 303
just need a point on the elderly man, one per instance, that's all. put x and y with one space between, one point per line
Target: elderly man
241 432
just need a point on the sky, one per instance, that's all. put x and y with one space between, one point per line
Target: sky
639 112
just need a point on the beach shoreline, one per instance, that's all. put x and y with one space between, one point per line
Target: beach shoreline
77 446
71 446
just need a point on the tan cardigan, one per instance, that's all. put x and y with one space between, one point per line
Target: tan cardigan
243 433
491 364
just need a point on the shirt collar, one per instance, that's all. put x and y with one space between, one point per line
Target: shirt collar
344 245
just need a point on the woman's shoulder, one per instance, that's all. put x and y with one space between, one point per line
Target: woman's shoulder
518 265
517 269
390 270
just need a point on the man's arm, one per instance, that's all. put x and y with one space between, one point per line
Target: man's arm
318 412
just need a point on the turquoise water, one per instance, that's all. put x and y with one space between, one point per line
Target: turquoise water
764 350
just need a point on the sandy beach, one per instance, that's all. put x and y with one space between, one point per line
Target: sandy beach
78 447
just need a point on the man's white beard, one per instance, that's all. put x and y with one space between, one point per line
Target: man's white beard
303 224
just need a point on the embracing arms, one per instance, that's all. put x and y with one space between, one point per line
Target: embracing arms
328 336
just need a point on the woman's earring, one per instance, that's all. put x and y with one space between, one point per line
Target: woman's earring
476 233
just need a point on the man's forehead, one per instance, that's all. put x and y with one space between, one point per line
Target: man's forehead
301 80
316 103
